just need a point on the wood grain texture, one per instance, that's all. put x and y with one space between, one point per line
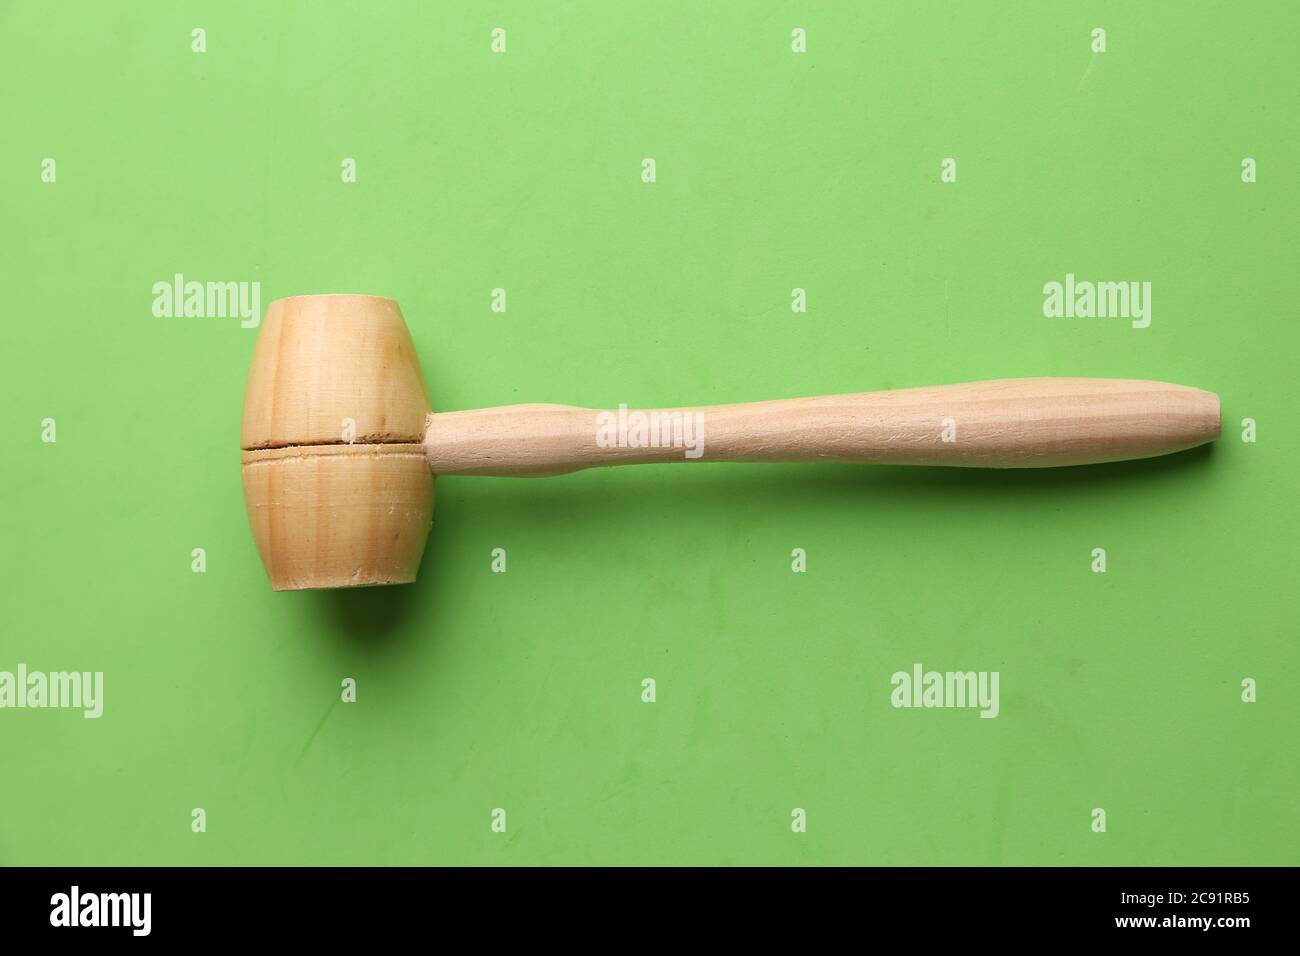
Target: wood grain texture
324 359
335 483
1016 423
333 516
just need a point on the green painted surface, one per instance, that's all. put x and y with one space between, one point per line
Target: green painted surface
774 170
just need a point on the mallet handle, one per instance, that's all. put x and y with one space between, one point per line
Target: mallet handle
1015 423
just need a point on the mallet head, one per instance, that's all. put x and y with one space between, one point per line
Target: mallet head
335 479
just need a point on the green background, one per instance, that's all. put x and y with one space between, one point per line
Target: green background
775 170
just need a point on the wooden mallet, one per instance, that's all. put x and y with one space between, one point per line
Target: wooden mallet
340 448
